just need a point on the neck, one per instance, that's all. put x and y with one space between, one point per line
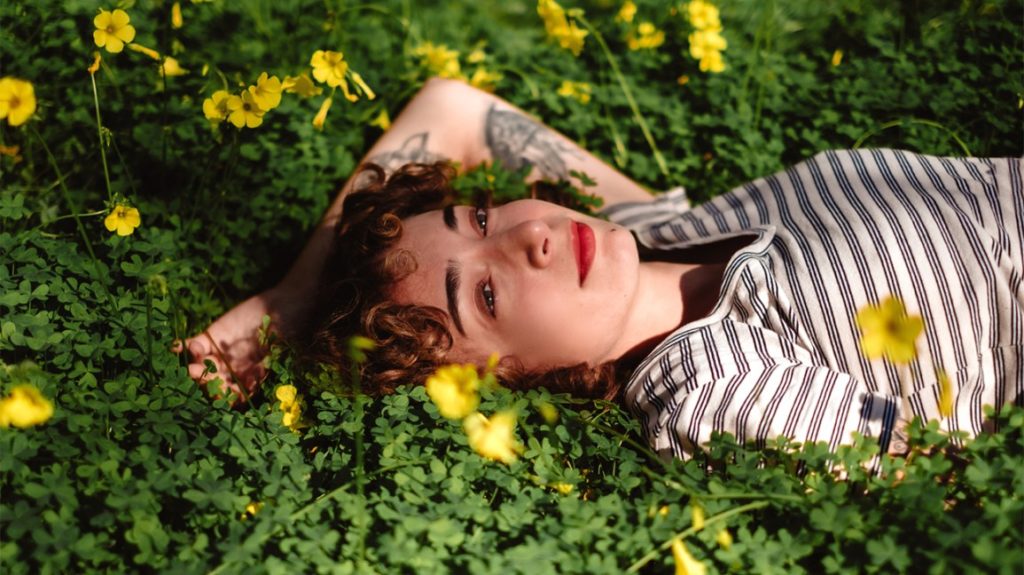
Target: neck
669 295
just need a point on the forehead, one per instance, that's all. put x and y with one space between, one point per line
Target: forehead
425 238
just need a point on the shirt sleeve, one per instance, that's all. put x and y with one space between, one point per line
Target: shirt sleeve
804 403
661 208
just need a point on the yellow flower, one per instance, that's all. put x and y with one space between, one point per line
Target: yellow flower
627 12
382 121
493 438
358 81
553 16
251 510
95 66
286 394
724 538
113 30
301 85
562 487
215 108
888 331
144 50
560 28
176 21
945 394
267 92
837 57
17 100
646 37
548 412
438 59
329 67
572 39
24 407
703 42
476 56
698 517
321 116
244 111
453 388
122 219
484 79
685 563
579 91
170 67
683 80
712 62
703 15
291 405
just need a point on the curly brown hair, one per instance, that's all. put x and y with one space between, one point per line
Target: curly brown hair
411 341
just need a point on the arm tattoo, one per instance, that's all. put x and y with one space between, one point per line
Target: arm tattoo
413 150
517 141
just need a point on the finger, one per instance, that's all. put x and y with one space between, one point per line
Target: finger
198 346
177 346
198 372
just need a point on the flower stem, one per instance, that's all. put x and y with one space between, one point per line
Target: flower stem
360 464
911 121
74 213
99 133
658 158
717 518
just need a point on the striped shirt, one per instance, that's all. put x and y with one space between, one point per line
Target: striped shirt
779 355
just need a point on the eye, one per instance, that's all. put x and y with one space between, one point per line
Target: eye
481 219
487 293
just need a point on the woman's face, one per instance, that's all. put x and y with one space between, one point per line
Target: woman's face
532 280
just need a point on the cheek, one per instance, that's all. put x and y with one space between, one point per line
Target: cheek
558 330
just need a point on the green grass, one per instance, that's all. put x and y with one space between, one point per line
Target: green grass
138 471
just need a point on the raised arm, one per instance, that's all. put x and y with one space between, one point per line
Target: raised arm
446 120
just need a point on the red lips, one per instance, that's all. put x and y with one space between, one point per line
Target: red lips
583 245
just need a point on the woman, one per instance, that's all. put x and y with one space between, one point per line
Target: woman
737 316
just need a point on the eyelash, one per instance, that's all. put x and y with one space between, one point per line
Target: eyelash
486 289
482 225
487 293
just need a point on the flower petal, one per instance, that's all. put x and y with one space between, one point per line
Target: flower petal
119 18
126 34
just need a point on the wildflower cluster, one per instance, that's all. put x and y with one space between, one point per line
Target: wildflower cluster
24 407
331 68
17 100
579 91
455 390
443 62
245 110
645 37
706 41
560 25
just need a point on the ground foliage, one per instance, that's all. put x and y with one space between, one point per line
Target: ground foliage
138 471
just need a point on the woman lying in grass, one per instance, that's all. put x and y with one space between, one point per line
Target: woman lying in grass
775 309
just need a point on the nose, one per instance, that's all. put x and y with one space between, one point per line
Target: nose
532 238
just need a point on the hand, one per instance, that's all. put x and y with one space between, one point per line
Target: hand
232 344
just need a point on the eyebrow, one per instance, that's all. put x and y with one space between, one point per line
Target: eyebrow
452 278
